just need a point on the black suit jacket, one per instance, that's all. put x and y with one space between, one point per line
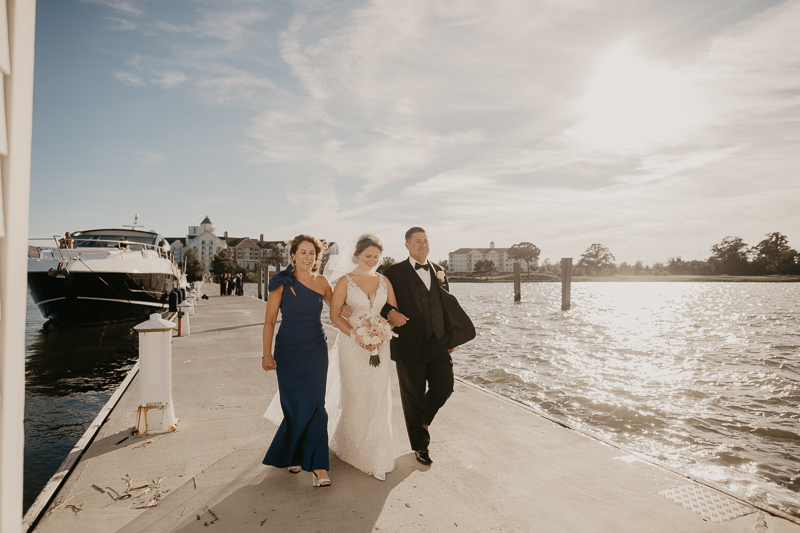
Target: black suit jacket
407 346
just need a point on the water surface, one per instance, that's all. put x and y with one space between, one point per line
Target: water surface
704 377
69 376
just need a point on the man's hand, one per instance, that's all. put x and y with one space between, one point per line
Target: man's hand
346 311
397 319
451 350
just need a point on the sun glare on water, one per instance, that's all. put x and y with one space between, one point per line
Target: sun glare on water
631 104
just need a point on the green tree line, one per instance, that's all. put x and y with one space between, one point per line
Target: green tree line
732 257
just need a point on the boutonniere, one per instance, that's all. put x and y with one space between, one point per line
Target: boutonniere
440 276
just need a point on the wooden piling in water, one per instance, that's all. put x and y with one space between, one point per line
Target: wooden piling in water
517 294
265 274
566 282
259 273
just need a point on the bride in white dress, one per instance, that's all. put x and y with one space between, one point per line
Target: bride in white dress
363 436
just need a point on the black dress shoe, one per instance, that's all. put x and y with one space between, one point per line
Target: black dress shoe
423 456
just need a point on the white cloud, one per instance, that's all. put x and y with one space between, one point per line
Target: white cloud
168 80
443 186
146 156
130 78
236 86
404 88
233 27
507 121
666 164
214 47
122 24
129 8
631 104
528 119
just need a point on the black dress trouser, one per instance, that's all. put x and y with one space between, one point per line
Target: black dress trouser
420 405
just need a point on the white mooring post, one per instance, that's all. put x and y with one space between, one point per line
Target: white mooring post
191 298
183 319
156 411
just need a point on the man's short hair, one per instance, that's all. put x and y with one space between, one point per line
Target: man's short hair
412 231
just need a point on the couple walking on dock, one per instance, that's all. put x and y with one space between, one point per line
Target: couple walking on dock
406 315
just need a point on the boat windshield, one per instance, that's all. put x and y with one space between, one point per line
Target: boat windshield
110 240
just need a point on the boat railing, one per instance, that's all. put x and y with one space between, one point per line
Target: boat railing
67 250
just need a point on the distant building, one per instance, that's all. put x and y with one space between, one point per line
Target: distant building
245 251
203 239
242 251
249 252
463 260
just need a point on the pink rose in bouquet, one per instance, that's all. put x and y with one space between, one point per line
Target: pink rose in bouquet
370 334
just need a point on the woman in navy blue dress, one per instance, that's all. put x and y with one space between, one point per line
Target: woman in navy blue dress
301 362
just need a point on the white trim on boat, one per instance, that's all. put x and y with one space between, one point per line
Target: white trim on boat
50 300
122 301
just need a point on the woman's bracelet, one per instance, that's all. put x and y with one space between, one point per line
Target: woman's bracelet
266 354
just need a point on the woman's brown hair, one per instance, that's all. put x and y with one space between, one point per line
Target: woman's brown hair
318 248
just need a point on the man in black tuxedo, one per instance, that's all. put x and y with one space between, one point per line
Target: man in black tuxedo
430 324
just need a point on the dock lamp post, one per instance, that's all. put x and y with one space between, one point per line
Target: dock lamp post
156 411
183 319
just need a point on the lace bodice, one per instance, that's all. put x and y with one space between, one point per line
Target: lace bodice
359 302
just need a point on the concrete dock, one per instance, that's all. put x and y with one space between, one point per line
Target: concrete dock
499 466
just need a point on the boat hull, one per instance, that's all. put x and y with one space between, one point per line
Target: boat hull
100 297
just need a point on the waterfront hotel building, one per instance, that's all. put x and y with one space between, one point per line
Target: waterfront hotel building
463 260
242 251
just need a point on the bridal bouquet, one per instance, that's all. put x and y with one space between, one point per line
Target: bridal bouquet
370 334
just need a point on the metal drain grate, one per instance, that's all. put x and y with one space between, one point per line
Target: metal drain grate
708 503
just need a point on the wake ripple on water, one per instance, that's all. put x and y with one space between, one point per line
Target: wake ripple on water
703 377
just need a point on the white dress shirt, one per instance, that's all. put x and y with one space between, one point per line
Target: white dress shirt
424 275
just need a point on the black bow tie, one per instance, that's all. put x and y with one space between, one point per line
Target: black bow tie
420 265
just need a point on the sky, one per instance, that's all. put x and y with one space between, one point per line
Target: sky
655 128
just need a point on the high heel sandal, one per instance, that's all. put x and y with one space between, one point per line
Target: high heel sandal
295 469
316 481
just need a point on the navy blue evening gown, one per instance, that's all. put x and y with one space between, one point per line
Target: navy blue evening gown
301 355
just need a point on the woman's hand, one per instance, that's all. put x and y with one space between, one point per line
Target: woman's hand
268 363
397 319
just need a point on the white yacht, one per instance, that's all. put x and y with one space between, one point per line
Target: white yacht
103 275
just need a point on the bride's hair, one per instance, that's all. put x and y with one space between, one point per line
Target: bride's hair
318 248
364 242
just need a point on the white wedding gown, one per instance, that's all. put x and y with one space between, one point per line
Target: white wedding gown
363 436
